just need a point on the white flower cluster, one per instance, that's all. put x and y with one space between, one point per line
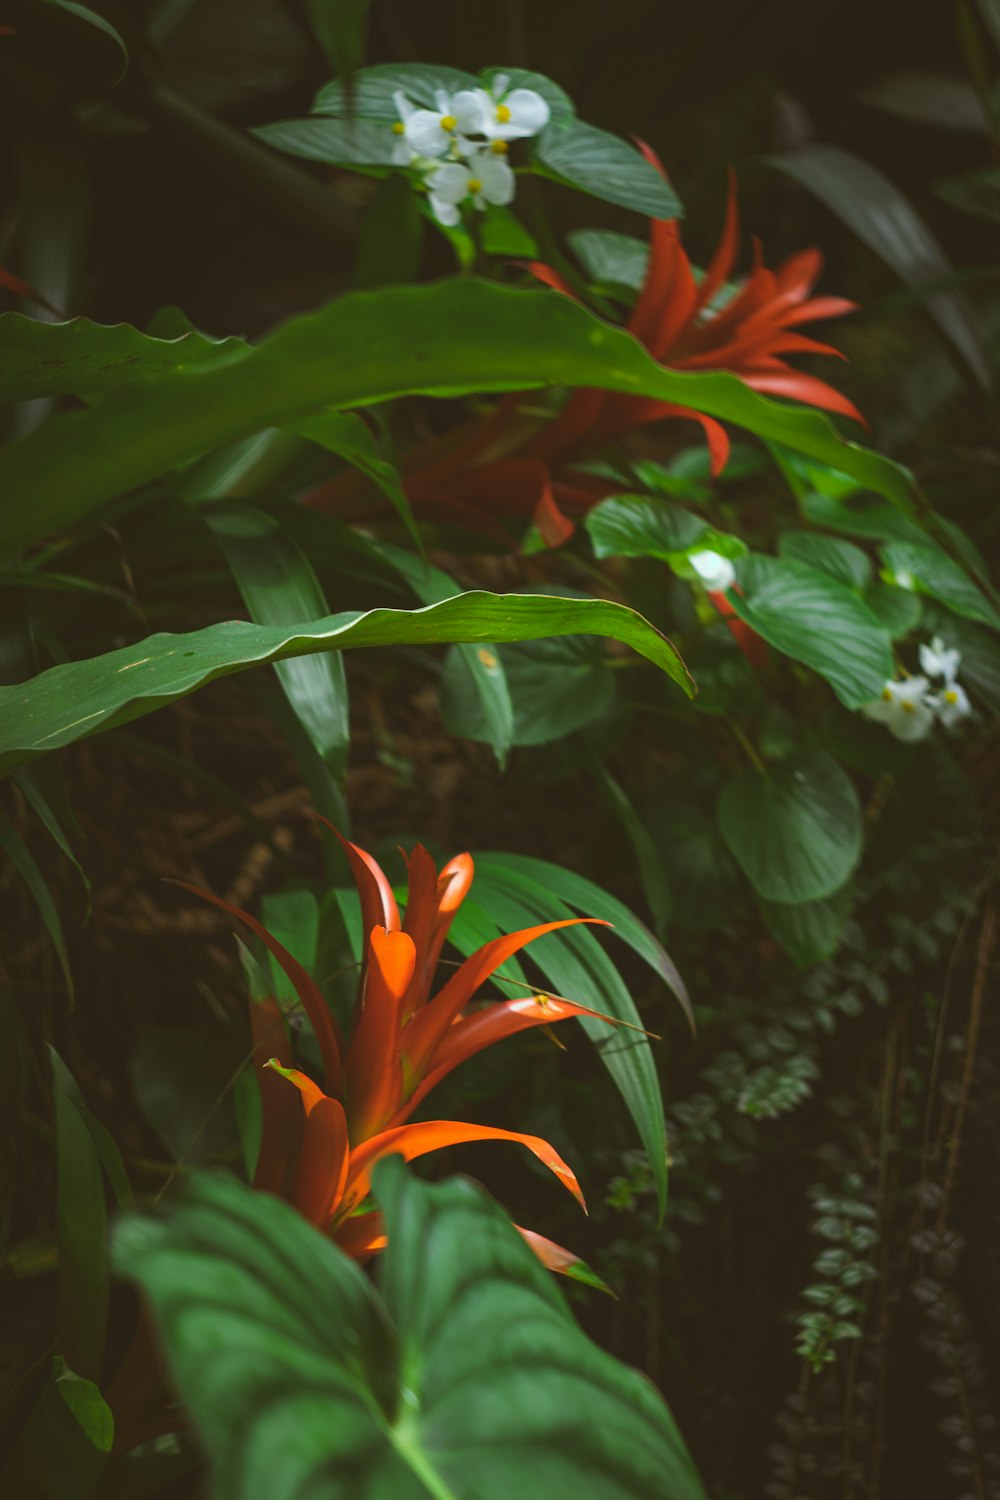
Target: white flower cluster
461 147
909 708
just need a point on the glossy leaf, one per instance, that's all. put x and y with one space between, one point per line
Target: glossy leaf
936 574
605 166
77 699
880 215
465 1374
279 587
640 526
446 338
842 560
815 619
794 828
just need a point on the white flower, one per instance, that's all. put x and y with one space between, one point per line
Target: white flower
952 703
715 571
485 178
403 153
433 132
904 708
939 662
503 116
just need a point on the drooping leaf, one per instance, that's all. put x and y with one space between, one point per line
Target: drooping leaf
555 687
815 619
605 166
794 828
467 1375
936 574
81 1219
346 434
880 215
65 1442
71 701
279 587
445 338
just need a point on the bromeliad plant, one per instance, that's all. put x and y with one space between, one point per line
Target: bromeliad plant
319 1145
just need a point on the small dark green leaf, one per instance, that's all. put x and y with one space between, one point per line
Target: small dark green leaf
81 1219
808 931
941 99
65 1442
842 560
975 193
605 166
610 259
639 526
936 574
795 828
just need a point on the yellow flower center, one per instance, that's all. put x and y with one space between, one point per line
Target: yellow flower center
503 114
475 186
399 128
448 122
908 706
951 696
499 148
886 695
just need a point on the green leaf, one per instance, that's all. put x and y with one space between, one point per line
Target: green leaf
446 338
976 193
466 1375
705 881
348 143
610 259
862 516
605 166
279 587
842 560
814 619
557 99
593 901
84 357
81 1219
555 687
941 99
391 237
72 701
980 666
339 27
934 573
82 51
638 526
502 233
809 931
577 967
655 885
795 828
349 435
371 91
884 219
28 868
896 609
65 1443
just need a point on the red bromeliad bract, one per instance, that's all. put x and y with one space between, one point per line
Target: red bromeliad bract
319 1145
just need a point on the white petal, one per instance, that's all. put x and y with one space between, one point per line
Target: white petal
445 213
403 106
443 102
715 571
402 152
499 86
953 705
528 111
913 725
450 183
424 133
497 179
472 109
878 710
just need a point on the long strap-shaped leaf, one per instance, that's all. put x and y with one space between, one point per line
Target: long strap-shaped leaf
447 338
77 699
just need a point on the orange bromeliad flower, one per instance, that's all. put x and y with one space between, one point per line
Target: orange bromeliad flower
319 1145
505 464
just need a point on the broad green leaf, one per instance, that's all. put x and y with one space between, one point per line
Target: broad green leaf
794 828
880 215
83 357
936 574
639 526
896 609
464 1375
941 99
280 588
26 865
862 516
578 968
447 338
610 259
77 699
814 619
65 1442
980 665
81 1219
293 918
704 880
372 89
605 166
809 931
593 901
502 233
842 560
350 143
555 687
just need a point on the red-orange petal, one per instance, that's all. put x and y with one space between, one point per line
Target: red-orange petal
378 904
373 1074
324 1154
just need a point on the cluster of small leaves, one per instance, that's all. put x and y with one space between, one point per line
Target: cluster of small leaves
846 1222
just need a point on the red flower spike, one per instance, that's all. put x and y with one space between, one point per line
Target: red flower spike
372 1067
362 1235
302 982
322 1171
410 1141
378 904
